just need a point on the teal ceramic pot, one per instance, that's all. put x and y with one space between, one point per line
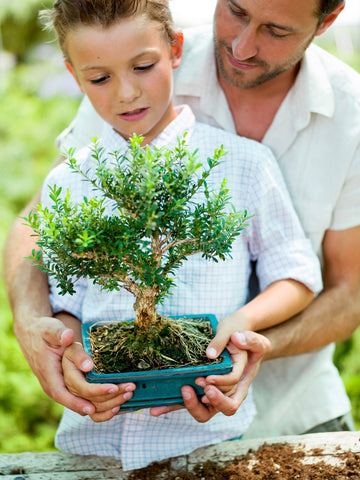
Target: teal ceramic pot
159 387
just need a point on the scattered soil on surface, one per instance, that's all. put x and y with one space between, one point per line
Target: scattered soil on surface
278 461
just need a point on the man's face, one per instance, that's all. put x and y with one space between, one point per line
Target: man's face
257 40
126 71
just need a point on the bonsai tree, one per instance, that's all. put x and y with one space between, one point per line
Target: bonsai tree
154 224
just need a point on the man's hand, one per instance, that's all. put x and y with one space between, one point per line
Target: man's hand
106 398
43 341
225 393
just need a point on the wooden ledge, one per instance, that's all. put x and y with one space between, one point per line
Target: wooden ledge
64 466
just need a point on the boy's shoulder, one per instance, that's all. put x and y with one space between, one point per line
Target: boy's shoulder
209 136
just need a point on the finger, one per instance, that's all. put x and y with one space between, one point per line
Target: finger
228 405
55 334
76 354
104 416
157 411
257 344
94 392
200 412
104 405
239 361
221 339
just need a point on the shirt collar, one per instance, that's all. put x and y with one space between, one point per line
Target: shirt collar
312 91
311 94
184 122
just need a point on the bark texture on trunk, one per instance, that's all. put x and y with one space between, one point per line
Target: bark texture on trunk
145 309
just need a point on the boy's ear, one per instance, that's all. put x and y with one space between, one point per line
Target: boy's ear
72 71
177 48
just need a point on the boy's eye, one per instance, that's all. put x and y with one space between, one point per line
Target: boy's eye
99 80
144 67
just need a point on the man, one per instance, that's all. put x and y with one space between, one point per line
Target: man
265 84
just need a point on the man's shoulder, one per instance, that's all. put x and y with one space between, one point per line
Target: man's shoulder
197 42
342 76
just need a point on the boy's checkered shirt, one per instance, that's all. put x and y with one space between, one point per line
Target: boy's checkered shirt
274 239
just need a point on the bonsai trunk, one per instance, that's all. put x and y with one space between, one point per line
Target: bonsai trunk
145 308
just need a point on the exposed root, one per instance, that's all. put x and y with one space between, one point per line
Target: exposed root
122 347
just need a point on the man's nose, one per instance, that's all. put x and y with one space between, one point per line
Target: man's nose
244 46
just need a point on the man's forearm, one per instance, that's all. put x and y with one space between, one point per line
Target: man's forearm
27 286
332 316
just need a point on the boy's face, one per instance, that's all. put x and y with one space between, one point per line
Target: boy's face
126 71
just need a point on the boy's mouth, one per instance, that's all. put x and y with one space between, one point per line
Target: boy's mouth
135 114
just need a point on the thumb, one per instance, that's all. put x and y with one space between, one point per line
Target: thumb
55 333
219 342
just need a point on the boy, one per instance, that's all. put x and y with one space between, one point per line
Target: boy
131 89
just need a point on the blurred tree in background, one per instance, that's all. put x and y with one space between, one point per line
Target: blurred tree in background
37 101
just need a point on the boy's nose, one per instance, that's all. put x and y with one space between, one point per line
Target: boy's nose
127 91
244 45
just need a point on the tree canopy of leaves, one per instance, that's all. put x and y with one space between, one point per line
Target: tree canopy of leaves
142 223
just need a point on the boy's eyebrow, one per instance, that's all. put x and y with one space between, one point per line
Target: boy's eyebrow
270 24
136 57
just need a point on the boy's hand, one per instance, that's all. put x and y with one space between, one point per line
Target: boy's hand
106 398
225 393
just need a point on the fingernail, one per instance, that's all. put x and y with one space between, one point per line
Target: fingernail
240 337
186 395
130 388
112 390
210 394
64 333
115 409
87 365
211 352
87 410
127 395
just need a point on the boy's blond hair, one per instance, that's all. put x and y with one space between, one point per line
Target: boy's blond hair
67 15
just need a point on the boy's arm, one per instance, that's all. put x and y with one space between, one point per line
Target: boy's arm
280 301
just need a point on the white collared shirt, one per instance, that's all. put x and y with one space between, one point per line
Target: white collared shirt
315 137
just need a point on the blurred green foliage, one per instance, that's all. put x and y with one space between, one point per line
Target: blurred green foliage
20 26
28 126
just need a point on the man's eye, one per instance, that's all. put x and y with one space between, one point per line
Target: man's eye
143 68
277 35
98 81
235 10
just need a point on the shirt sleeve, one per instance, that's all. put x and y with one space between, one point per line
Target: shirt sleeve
276 239
347 211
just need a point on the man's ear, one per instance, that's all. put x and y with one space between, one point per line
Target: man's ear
72 71
177 48
330 19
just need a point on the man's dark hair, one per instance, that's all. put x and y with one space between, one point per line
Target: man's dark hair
326 7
